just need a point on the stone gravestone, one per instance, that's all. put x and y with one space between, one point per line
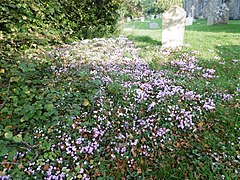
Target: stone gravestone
218 15
153 25
152 16
189 21
210 19
128 19
142 19
173 27
221 15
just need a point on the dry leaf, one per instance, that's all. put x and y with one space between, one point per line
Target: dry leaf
139 170
20 166
200 124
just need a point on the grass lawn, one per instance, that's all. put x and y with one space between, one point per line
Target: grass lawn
215 47
120 109
210 41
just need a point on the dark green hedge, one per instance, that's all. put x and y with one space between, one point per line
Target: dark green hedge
27 97
55 20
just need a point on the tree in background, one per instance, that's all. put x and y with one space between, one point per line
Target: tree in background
163 5
136 8
149 6
131 8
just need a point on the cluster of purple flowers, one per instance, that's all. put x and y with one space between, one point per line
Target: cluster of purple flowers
142 118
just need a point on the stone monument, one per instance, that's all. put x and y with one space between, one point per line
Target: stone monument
221 14
193 9
153 25
173 27
210 19
189 21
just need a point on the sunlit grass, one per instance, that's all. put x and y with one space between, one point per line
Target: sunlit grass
211 42
216 47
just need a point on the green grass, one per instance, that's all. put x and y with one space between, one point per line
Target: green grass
216 47
210 41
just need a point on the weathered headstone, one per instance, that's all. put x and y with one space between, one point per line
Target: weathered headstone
153 25
128 19
210 19
173 27
152 16
221 15
189 21
142 19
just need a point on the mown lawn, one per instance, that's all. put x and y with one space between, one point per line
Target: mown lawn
122 108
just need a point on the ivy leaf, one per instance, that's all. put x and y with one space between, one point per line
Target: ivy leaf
2 71
3 151
24 67
14 79
12 152
8 135
17 138
49 107
85 102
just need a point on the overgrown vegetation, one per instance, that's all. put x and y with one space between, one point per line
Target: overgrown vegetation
96 108
29 26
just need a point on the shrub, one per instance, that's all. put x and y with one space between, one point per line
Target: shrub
57 20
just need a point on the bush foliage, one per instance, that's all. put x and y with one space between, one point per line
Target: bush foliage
26 94
69 18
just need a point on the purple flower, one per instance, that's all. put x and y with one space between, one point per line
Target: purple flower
209 105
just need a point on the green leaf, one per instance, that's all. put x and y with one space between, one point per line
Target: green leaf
12 152
49 107
17 138
24 67
2 71
8 135
14 79
45 155
3 151
85 102
28 139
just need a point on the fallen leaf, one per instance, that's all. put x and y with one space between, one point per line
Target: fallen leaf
200 124
139 170
20 166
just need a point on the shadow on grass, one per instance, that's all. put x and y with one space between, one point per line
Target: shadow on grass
229 52
146 40
201 25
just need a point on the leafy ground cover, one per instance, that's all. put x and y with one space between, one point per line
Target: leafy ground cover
106 109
